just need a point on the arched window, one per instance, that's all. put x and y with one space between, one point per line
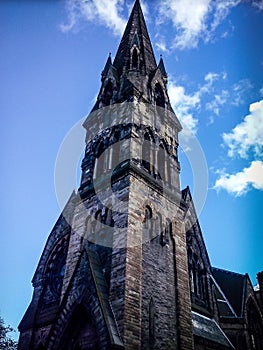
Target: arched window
98 220
135 59
108 219
161 161
88 232
146 152
100 160
159 96
159 226
108 92
56 265
167 233
147 216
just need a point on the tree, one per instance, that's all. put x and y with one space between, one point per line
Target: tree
6 342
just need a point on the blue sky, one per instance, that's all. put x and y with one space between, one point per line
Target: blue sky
51 57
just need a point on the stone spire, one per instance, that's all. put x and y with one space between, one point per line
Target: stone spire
135 35
134 67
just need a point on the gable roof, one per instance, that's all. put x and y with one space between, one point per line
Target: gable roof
87 277
233 286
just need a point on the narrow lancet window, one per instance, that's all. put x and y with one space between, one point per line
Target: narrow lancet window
159 96
151 323
135 59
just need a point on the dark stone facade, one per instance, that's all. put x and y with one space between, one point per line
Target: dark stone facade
125 266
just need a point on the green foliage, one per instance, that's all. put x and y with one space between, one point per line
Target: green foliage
6 342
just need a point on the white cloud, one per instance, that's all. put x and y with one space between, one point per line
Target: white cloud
239 90
220 10
239 183
218 101
246 139
104 12
188 18
161 45
258 4
186 106
248 135
194 20
183 106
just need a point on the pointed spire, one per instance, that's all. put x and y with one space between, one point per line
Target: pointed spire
161 67
135 30
107 66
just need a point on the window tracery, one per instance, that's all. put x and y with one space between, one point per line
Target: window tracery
56 265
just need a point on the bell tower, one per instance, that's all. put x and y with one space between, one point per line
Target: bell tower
114 273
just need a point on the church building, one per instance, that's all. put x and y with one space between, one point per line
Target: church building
125 265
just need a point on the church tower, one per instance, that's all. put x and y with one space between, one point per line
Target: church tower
113 274
119 270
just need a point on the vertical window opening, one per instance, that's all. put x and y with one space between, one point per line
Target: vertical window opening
151 323
135 59
146 152
108 92
159 95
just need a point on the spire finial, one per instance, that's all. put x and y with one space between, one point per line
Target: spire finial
135 30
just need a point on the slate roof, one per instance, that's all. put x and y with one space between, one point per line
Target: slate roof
208 328
101 287
233 286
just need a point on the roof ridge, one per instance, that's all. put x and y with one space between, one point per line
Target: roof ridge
229 272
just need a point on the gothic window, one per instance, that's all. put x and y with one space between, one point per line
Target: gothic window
108 219
98 220
159 96
135 59
198 281
192 281
161 161
146 152
100 155
159 226
147 216
203 285
80 332
98 215
56 264
88 235
168 168
108 92
166 234
190 266
115 135
151 322
114 150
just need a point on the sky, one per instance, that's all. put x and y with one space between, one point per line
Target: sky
51 57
